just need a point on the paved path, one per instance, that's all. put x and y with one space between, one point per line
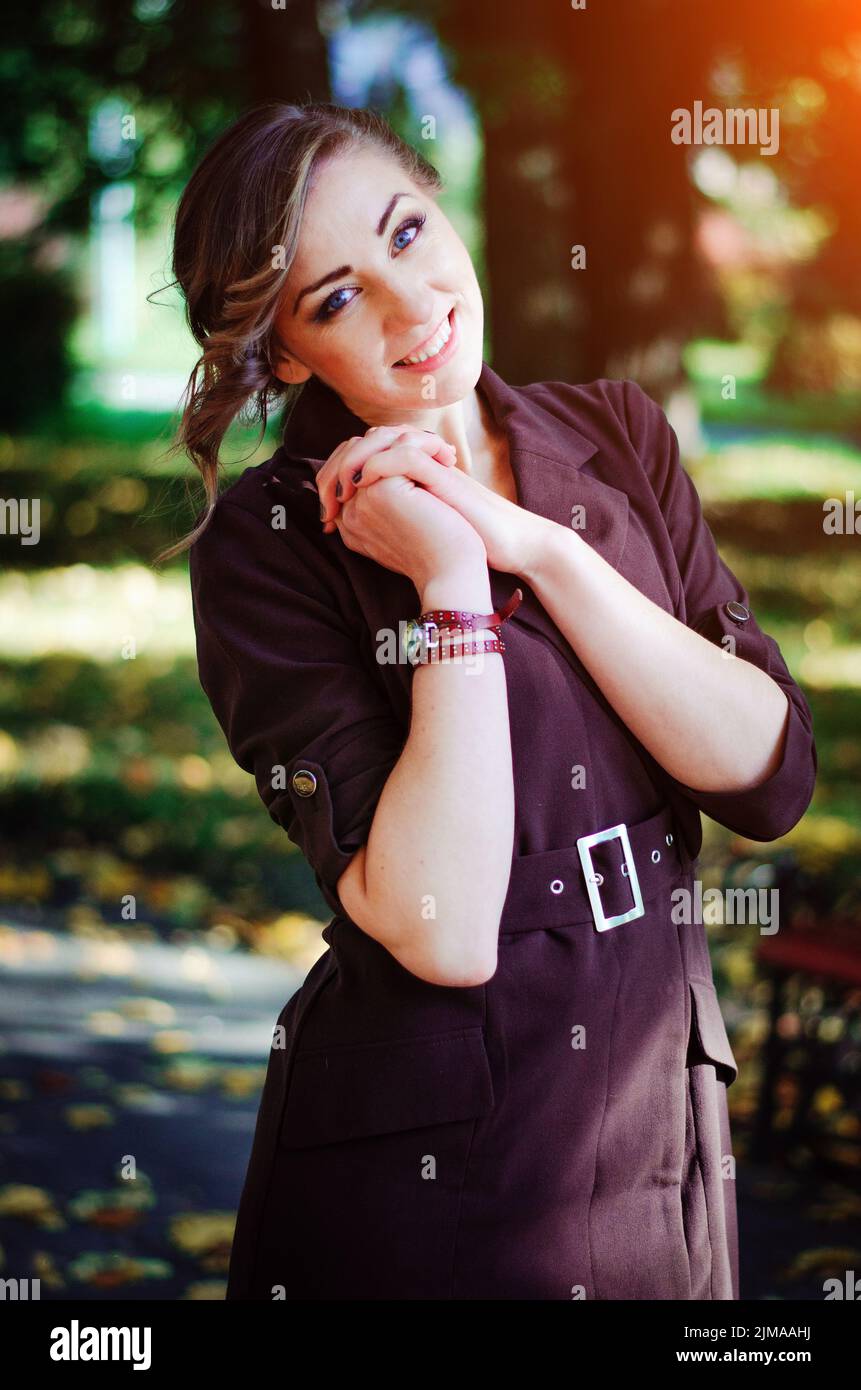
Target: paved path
157 1052
108 1051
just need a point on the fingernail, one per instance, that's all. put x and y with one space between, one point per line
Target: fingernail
322 510
357 476
338 488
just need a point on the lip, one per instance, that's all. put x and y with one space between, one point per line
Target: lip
446 351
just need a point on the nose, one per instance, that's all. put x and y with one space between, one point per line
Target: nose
407 329
410 309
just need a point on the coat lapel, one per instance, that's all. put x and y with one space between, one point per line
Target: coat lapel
547 453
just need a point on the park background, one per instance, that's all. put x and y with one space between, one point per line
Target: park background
722 279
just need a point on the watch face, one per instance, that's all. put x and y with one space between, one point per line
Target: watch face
414 635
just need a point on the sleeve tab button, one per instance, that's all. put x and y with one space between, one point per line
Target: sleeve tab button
304 782
737 611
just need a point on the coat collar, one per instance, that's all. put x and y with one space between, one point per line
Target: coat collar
547 451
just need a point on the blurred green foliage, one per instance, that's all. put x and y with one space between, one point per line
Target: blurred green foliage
38 308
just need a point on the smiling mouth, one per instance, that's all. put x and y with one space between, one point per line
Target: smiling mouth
433 346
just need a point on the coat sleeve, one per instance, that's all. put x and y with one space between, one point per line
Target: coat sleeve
285 679
713 602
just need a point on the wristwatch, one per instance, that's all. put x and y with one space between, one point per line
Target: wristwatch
421 634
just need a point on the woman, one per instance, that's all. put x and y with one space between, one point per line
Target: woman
506 1077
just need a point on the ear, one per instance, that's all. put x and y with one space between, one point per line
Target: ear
288 370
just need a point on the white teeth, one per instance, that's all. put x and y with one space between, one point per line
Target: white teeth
433 347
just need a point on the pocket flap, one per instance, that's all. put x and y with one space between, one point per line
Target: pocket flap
340 1093
708 1040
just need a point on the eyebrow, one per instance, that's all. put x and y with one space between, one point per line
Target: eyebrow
348 269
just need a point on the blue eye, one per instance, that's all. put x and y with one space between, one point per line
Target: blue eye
416 222
326 309
329 307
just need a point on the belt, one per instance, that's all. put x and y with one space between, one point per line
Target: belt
605 879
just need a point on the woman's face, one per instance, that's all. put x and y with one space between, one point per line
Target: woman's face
376 278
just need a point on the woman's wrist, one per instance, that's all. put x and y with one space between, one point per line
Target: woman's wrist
548 538
466 588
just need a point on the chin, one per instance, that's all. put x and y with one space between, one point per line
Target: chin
454 383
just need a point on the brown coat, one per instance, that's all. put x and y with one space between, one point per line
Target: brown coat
560 1131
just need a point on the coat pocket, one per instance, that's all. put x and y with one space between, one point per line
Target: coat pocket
708 1040
348 1092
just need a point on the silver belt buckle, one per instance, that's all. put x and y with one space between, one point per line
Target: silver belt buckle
594 880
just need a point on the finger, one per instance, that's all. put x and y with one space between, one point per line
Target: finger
379 440
336 485
444 453
401 460
433 444
382 437
343 469
327 477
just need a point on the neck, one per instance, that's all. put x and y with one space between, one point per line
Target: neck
467 424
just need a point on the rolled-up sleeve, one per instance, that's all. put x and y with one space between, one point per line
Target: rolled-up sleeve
286 682
713 602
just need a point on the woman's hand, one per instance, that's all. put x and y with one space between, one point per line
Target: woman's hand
335 480
402 526
512 536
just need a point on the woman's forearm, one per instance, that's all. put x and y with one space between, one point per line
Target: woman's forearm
432 879
714 721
